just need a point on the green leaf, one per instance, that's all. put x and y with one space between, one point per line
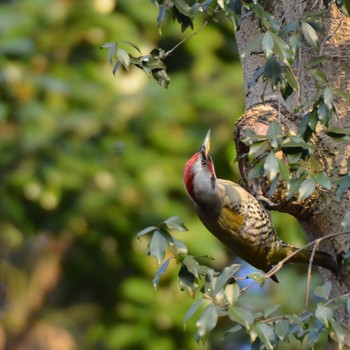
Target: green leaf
273 72
337 132
207 321
257 74
274 134
192 265
338 333
323 179
187 281
324 291
193 309
111 52
315 61
328 98
309 34
123 57
282 49
343 93
183 7
232 292
324 314
257 170
161 76
258 277
268 44
291 79
343 186
227 273
319 75
179 248
130 44
284 170
158 246
160 271
241 316
174 223
161 16
265 334
271 166
324 114
306 189
146 230
257 149
282 329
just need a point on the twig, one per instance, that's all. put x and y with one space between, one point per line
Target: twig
309 273
190 36
278 267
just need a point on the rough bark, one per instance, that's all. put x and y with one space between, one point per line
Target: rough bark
318 217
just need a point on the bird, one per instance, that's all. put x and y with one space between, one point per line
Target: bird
238 219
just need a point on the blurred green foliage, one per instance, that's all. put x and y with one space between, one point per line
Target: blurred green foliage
89 159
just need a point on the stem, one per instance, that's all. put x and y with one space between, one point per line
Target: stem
166 54
278 267
309 272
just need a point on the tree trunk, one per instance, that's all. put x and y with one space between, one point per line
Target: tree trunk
318 218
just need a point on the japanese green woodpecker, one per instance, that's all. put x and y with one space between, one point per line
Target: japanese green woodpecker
238 219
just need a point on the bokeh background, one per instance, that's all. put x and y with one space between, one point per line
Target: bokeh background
88 159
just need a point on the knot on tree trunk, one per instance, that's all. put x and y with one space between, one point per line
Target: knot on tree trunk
258 118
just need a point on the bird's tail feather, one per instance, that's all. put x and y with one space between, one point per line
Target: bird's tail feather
320 258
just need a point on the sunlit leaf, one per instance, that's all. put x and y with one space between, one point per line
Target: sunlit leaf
175 223
306 188
324 314
207 321
123 57
271 166
232 292
258 277
268 44
309 33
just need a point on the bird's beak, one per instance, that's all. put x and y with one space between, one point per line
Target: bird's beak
206 145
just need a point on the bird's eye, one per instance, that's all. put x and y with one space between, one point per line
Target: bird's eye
203 162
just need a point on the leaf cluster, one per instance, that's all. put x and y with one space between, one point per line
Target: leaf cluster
218 296
152 64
